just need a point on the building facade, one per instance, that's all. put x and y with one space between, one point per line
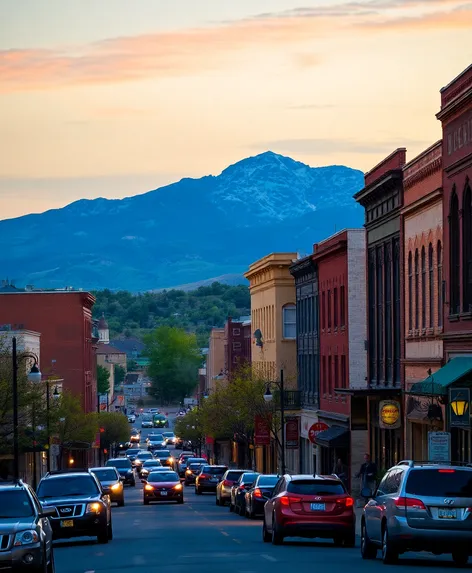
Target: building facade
215 362
237 349
382 199
422 224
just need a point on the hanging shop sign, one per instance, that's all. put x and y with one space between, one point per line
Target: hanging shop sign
389 415
261 432
292 433
315 430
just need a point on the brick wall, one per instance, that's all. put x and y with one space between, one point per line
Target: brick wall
395 160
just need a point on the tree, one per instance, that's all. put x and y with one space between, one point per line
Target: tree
114 428
174 362
132 365
103 380
120 374
190 427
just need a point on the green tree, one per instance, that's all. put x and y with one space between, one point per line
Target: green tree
120 374
114 428
103 380
132 365
174 362
190 427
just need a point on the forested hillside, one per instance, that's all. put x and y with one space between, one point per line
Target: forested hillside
195 311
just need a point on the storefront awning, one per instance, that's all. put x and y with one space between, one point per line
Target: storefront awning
438 383
334 437
371 391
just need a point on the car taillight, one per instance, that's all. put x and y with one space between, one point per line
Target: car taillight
346 501
404 502
241 487
204 476
287 500
447 471
257 492
227 482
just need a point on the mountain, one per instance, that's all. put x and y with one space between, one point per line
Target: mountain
185 232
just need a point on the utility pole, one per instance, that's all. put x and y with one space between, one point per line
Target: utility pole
282 415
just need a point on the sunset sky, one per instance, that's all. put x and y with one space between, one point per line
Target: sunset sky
115 97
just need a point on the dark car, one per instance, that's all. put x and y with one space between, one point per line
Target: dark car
82 508
223 489
160 421
257 496
182 462
165 457
26 533
238 491
149 466
111 483
131 454
193 469
208 478
163 486
142 457
125 469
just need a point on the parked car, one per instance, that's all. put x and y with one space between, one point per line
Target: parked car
238 491
208 478
310 506
125 469
257 496
111 483
163 486
420 507
82 508
223 489
26 530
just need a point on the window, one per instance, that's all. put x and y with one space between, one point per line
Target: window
289 321
431 286
433 482
454 247
324 375
343 371
316 487
423 288
335 305
342 306
410 291
417 290
467 250
236 346
329 309
323 311
440 287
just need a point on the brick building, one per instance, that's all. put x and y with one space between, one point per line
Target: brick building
422 223
237 344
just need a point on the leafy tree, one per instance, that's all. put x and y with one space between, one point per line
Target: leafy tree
190 427
131 365
103 380
120 374
115 428
174 362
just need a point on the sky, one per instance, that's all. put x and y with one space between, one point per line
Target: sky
112 98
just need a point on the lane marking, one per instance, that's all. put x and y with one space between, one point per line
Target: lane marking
236 541
268 557
224 533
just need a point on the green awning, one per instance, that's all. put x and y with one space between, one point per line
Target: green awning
438 383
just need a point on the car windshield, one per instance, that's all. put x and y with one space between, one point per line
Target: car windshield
156 437
106 475
439 483
66 486
163 454
194 466
121 463
169 434
196 461
249 478
15 504
316 487
145 456
267 481
151 463
163 476
213 471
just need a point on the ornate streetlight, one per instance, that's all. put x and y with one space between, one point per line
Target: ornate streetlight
268 397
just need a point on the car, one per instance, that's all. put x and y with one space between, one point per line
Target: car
124 468
146 422
163 486
160 421
208 478
223 489
257 496
193 469
82 508
141 458
182 462
156 442
419 507
165 457
122 447
154 410
26 532
111 483
310 506
238 491
135 437
169 438
149 466
131 418
131 454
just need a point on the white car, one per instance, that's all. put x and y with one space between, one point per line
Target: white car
146 424
131 418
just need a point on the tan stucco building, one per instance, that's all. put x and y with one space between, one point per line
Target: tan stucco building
215 363
273 314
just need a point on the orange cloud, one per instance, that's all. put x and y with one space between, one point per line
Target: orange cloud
195 50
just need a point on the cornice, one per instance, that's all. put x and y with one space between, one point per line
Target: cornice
301 267
426 171
390 181
335 248
454 105
423 202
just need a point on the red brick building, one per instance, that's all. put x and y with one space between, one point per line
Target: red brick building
237 344
64 319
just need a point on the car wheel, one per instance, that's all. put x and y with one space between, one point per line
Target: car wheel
368 549
277 537
102 537
460 558
266 536
51 567
389 555
198 491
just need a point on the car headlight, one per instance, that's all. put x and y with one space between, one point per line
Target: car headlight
26 537
171 459
188 472
148 487
116 486
178 486
94 507
138 462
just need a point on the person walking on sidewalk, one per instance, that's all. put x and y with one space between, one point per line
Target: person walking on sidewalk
367 473
339 469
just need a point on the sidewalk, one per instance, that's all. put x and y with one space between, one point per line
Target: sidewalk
358 512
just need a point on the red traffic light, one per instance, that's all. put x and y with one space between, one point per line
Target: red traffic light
102 430
105 451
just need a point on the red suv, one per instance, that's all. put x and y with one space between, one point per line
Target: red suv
310 506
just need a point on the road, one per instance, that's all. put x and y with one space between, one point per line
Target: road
204 538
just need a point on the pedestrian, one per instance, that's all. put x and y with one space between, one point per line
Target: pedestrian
339 469
367 473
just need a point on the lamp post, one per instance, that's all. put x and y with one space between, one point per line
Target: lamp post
56 395
34 376
268 397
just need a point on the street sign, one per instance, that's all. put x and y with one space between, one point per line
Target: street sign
315 430
439 447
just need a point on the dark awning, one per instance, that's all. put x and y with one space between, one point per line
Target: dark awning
334 437
438 383
371 391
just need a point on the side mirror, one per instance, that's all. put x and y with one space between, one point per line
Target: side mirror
48 512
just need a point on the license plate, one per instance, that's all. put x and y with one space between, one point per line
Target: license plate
163 493
447 513
67 523
318 506
214 479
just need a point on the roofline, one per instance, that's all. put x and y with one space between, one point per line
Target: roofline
367 173
423 154
453 81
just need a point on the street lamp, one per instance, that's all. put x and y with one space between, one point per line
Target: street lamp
459 405
34 376
55 395
268 397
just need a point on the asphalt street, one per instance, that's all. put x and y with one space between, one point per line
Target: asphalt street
204 538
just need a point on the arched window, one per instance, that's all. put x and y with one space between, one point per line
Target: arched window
440 283
289 321
410 291
454 245
467 250
417 290
423 288
431 285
